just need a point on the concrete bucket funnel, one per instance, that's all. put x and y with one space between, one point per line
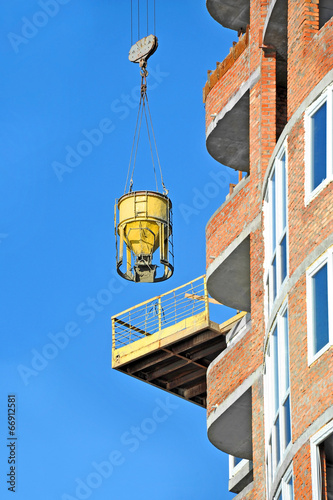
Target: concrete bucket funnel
144 225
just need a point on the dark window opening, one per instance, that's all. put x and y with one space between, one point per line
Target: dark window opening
281 109
326 468
325 12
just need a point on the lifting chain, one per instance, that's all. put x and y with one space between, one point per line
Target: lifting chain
142 112
144 74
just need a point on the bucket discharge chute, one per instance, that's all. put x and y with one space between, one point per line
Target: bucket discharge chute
144 225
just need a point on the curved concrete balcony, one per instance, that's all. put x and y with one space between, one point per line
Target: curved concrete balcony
230 429
227 107
227 135
228 247
228 278
229 393
232 14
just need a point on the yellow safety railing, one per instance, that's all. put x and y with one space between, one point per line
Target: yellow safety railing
160 312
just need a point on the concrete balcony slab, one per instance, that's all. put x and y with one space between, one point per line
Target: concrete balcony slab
228 135
232 14
228 276
230 427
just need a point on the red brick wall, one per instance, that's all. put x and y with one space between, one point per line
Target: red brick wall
237 364
311 224
311 386
310 53
258 437
268 108
302 473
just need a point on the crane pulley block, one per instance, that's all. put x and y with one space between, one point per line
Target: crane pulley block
143 49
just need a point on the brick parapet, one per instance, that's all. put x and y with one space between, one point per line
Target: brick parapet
233 217
227 86
223 67
239 361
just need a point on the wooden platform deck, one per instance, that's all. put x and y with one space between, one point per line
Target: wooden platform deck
174 358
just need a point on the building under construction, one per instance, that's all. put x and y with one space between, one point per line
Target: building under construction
265 376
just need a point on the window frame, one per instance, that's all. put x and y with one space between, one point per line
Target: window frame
276 228
276 446
315 441
284 486
325 258
234 469
326 96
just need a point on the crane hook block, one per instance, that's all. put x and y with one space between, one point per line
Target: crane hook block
143 49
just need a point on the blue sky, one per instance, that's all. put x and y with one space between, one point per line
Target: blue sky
66 74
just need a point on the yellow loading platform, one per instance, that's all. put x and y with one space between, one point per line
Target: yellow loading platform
169 341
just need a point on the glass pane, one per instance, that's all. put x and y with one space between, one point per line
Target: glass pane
270 450
274 278
290 489
276 371
287 422
268 477
318 160
284 192
286 349
273 214
283 248
280 496
320 309
277 443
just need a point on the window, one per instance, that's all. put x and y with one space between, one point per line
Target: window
319 314
285 490
322 463
277 396
318 145
276 229
235 465
240 328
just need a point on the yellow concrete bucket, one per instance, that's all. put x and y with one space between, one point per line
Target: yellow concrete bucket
144 225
